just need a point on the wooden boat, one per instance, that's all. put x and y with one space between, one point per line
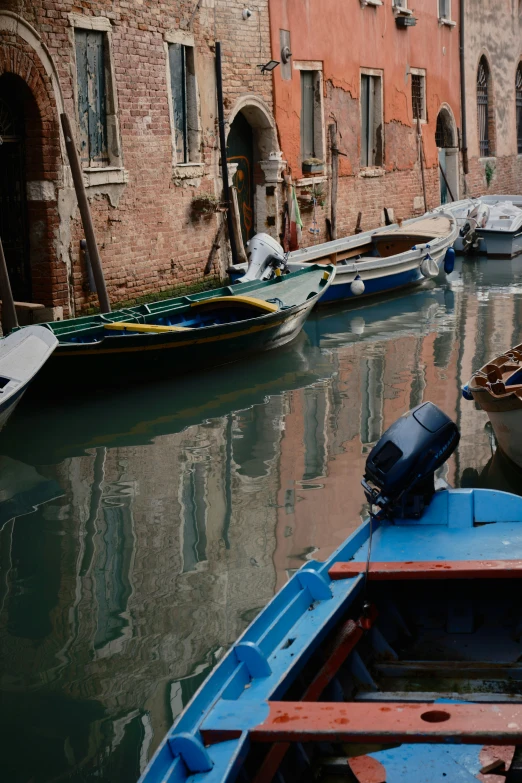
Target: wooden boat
374 262
497 389
22 354
395 661
183 334
489 225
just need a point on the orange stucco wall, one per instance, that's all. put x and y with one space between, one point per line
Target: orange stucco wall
346 37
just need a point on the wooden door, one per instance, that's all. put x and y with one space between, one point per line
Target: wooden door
14 227
240 150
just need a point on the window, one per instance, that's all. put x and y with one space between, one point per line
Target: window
312 140
444 9
92 96
184 102
307 115
418 94
483 108
518 88
400 4
371 120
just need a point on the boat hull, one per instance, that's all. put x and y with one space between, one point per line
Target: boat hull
505 416
500 243
169 355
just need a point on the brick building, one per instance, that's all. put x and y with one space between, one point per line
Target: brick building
137 80
493 90
370 68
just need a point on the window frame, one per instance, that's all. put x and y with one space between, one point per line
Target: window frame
445 19
376 74
518 105
486 144
113 173
421 72
316 66
193 165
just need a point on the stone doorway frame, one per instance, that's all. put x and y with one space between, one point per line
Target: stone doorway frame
452 151
268 195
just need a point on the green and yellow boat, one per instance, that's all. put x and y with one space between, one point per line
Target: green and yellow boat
188 333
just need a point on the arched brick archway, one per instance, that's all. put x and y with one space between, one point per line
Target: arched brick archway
27 91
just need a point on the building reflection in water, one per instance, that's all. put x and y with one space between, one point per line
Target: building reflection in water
148 535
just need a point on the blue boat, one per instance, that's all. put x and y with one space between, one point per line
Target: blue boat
396 660
375 262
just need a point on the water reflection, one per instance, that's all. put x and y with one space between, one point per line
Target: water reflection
140 532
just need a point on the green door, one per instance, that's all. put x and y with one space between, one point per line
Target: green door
240 150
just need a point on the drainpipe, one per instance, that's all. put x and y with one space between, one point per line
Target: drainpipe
223 146
465 165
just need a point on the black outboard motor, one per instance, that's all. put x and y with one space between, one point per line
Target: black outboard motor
400 469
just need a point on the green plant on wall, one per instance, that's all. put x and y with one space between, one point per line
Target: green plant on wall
489 172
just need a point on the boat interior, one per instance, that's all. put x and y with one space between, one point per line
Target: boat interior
502 375
412 659
385 244
191 315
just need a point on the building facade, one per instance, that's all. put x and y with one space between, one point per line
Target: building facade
370 69
137 81
493 96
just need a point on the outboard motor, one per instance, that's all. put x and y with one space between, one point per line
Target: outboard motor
477 218
265 256
400 469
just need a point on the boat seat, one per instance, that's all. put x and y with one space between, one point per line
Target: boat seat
120 326
437 569
241 301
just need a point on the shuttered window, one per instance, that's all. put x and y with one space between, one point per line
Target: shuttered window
518 87
444 9
92 96
371 120
483 108
307 115
183 89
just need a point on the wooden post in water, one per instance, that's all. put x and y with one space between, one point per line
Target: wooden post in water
9 319
335 183
421 156
85 212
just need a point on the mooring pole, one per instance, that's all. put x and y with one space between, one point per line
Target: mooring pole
9 319
85 212
223 148
421 155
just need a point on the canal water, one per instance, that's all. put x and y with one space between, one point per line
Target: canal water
141 531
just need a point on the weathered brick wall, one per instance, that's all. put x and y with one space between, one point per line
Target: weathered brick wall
496 34
149 240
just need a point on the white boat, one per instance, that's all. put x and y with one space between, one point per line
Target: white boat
374 262
22 354
490 225
497 389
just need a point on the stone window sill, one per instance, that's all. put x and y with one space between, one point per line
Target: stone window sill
447 22
311 180
371 2
188 170
488 159
368 173
110 175
400 11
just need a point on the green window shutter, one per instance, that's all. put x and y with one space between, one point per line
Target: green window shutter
178 84
365 126
307 115
92 111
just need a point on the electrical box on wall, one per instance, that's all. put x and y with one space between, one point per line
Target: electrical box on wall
286 62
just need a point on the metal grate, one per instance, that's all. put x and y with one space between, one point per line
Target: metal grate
482 109
417 96
518 86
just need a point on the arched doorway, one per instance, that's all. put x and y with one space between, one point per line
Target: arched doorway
240 150
14 223
446 140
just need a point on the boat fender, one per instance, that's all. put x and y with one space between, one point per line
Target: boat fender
449 261
357 286
429 267
466 393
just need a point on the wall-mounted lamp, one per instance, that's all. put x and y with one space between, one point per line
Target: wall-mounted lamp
285 54
269 66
